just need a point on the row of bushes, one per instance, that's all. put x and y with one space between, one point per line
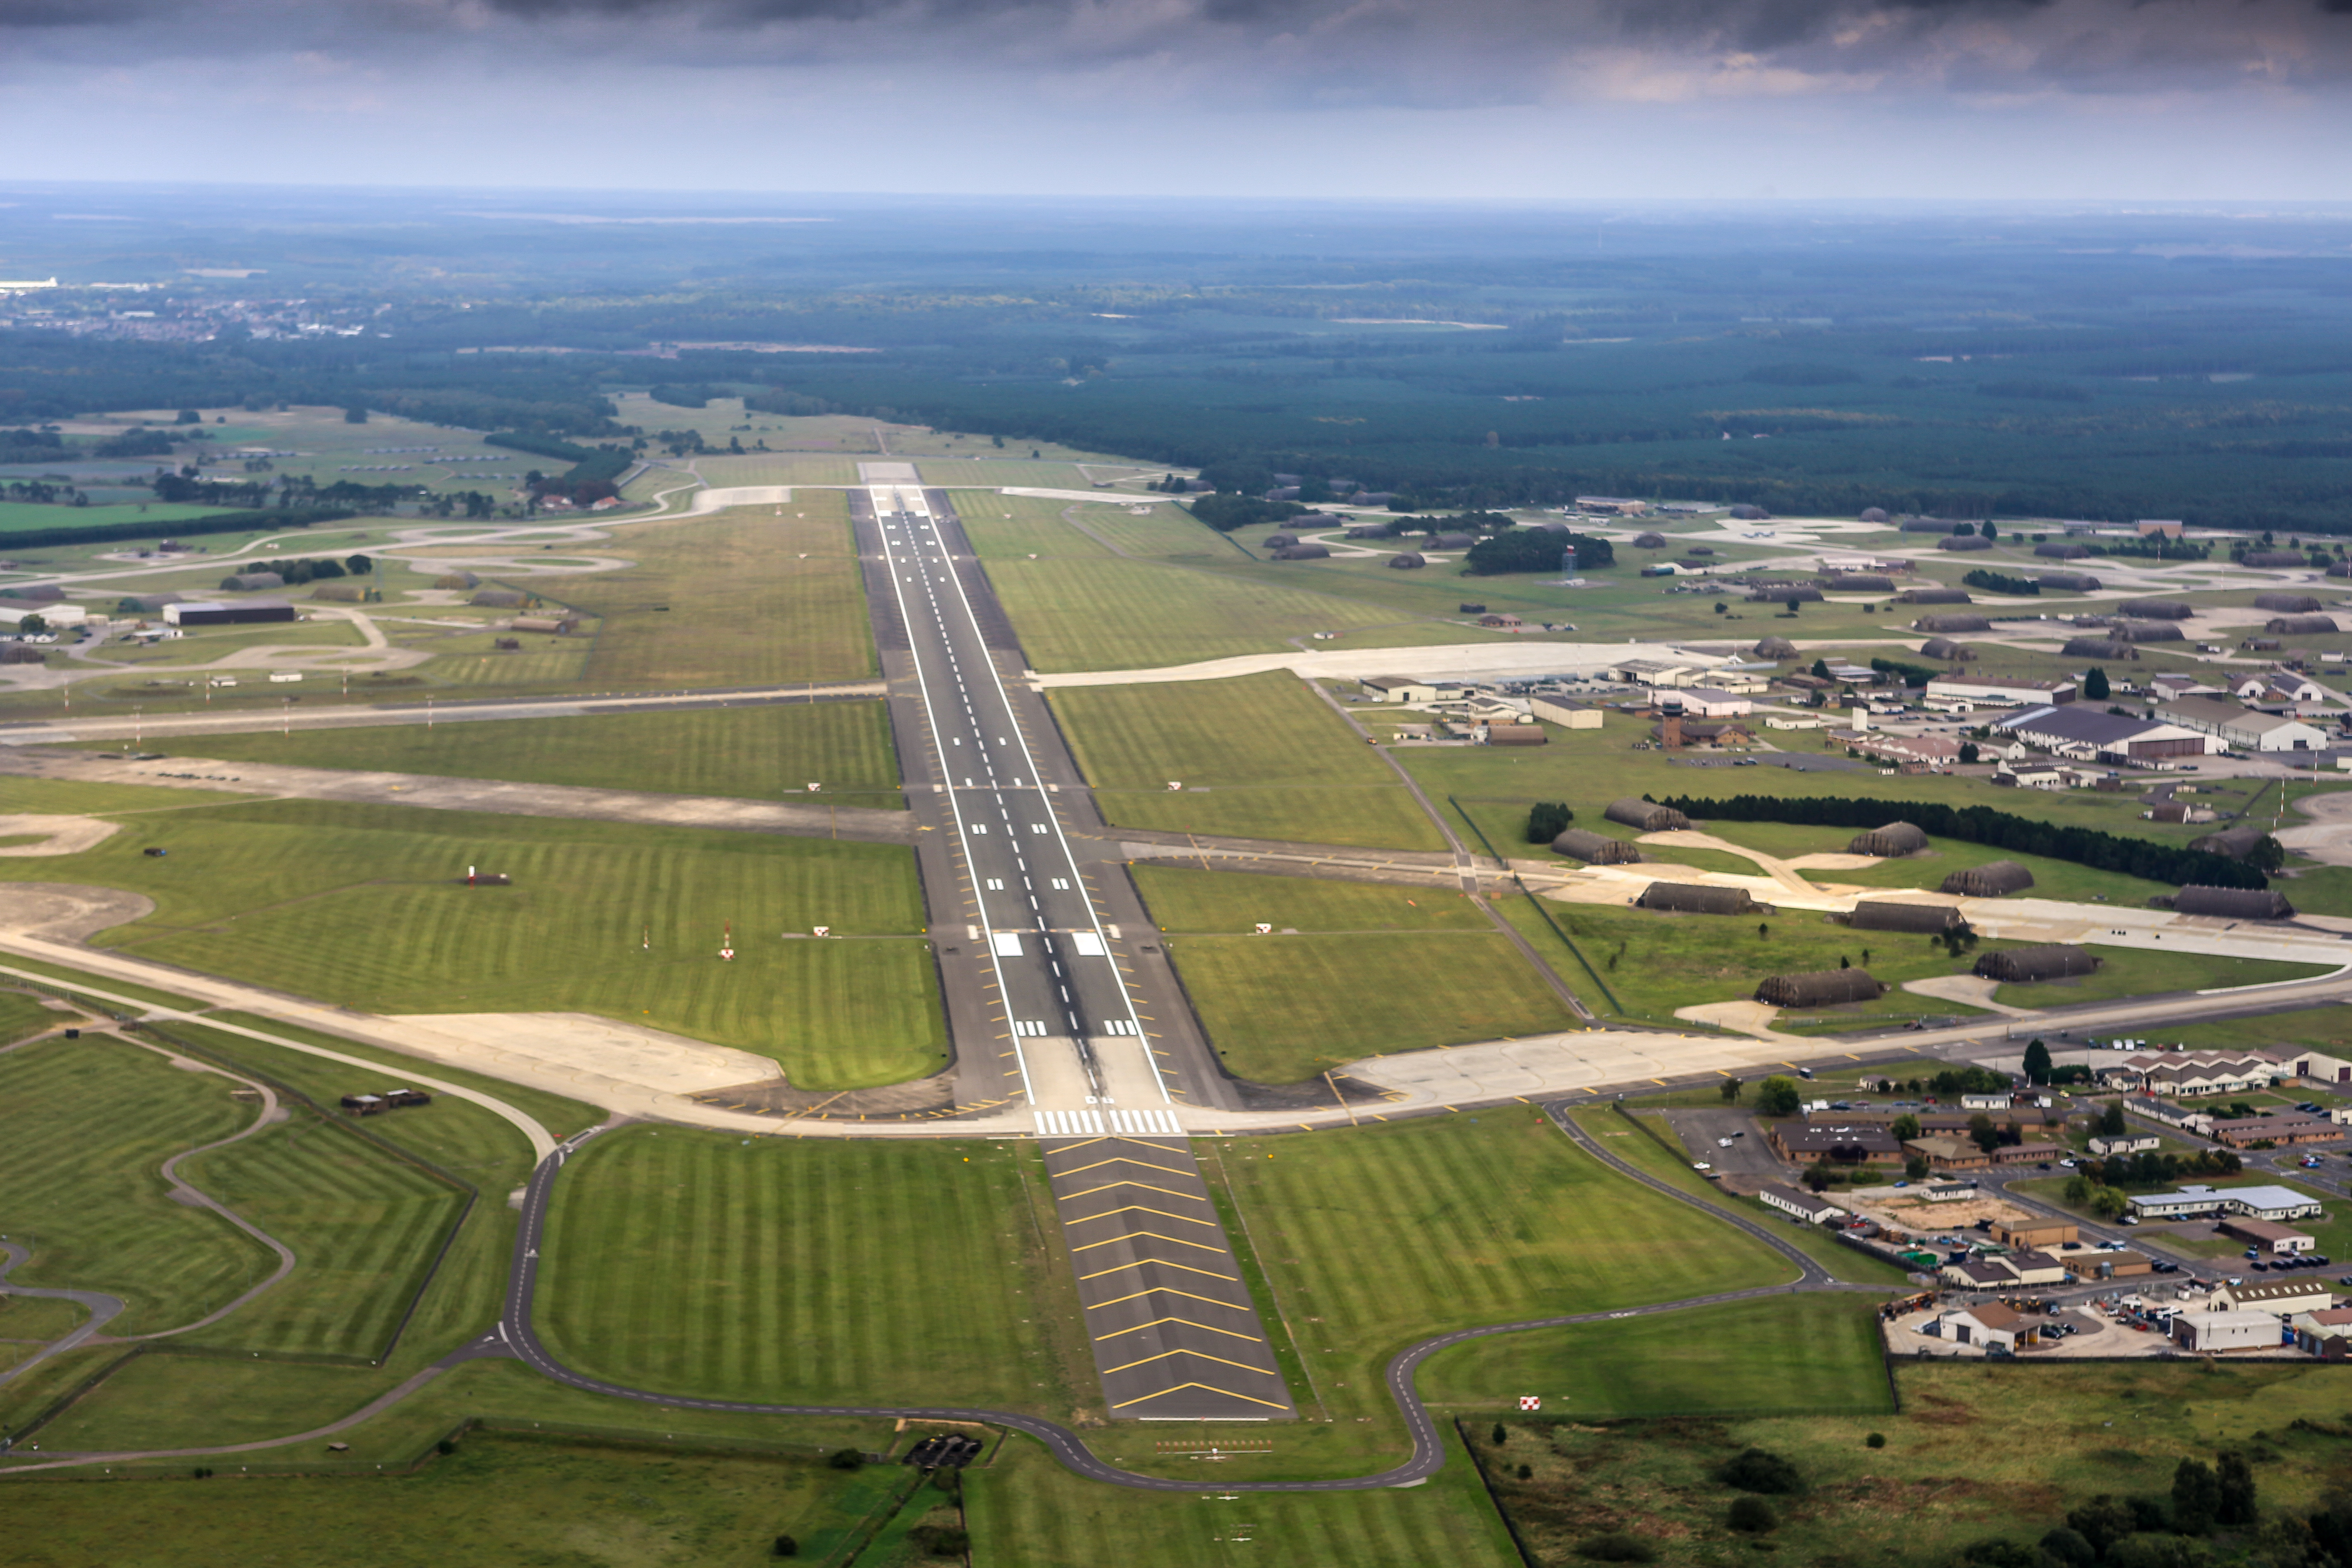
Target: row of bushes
218 522
1983 825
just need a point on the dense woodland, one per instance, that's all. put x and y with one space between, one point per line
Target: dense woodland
2196 365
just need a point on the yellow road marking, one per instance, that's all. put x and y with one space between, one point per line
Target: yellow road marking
1101 1273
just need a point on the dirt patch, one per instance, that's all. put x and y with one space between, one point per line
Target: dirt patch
67 913
57 835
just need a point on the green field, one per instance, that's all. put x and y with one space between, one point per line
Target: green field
2131 971
366 905
818 1272
22 1016
1016 527
1818 1351
1280 1009
729 600
84 1125
1091 614
1480 1219
22 516
1186 898
1980 1450
1027 1511
1261 756
505 1499
756 752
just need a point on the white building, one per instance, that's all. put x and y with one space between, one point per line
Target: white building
1985 691
1804 1205
2227 1332
57 614
2242 727
2257 1203
1567 715
1705 703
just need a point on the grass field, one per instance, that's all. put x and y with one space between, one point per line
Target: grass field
59 797
1657 963
498 1500
744 598
366 905
364 1227
1261 756
1280 1009
821 1272
19 516
84 1125
1480 1219
752 753
1027 1511
1090 613
1166 533
1981 1450
1801 1352
1185 899
1013 527
2130 972
22 1016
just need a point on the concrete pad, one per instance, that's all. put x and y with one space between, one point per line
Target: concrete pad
618 1066
1564 1063
1743 1017
69 913
67 834
1969 990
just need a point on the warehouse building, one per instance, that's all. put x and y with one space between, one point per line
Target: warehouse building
2242 727
2196 1202
1804 1205
2081 731
1991 692
2284 1241
2177 1073
208 613
2209 1333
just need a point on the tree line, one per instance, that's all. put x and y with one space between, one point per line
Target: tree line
2091 847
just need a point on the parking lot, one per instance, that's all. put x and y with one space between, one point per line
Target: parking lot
1703 1131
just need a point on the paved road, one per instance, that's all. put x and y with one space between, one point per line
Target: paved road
103 1310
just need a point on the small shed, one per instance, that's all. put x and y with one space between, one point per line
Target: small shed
1649 541
1965 541
1697 898
2098 648
1947 649
1410 561
2234 903
2302 625
1905 915
1784 594
1821 988
2286 603
1303 553
1647 816
2155 609
1993 879
2045 961
2070 582
1894 838
2236 843
1774 647
1593 849
1934 596
2059 550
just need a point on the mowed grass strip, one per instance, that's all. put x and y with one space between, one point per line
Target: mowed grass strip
85 1126
815 1271
1280 1009
756 752
1026 1511
1261 755
1374 1237
363 1226
729 600
1090 613
1186 898
366 906
1015 527
1781 1353
2128 971
22 1016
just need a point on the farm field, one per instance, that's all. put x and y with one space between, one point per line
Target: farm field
19 516
804 1271
744 598
1818 1351
1027 1511
1282 1009
1983 1450
1260 755
500 1498
84 1124
756 751
299 895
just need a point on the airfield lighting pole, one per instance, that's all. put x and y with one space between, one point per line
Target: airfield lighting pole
138 729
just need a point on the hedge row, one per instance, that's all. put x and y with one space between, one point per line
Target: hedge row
178 528
1983 825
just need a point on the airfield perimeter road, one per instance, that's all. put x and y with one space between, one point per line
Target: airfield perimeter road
514 1338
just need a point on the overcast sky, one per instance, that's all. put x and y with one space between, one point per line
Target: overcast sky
1978 99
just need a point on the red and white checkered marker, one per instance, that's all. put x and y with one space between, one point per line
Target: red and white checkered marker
1531 1402
1264 928
822 931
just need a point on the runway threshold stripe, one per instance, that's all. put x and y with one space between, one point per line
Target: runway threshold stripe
1203 1387
1186 1322
1159 1263
1163 1355
1167 1291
